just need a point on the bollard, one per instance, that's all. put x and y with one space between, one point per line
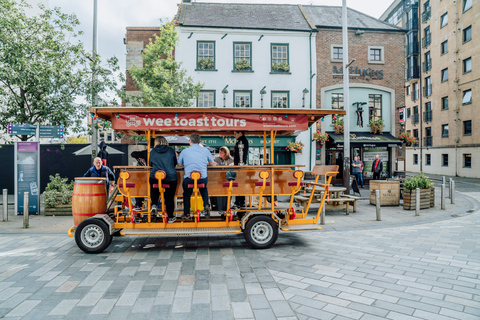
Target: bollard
443 180
25 210
322 215
452 197
450 188
417 202
377 204
5 205
443 197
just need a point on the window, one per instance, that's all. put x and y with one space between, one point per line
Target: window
467 4
205 55
428 137
467 34
467 96
467 160
337 101
415 91
415 115
242 99
109 137
444 130
242 56
444 47
375 55
428 112
427 64
467 127
445 75
206 99
427 37
444 160
409 113
428 86
428 159
280 62
409 89
444 20
467 65
374 106
280 99
337 53
415 159
415 133
444 103
428 131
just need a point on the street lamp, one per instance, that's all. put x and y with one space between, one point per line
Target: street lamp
225 92
305 91
262 92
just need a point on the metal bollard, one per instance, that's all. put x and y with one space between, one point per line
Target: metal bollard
377 205
417 202
450 188
443 179
443 197
452 197
322 215
25 210
5 205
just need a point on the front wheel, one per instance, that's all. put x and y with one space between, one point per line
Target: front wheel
261 232
92 236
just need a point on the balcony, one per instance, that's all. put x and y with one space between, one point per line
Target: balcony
413 72
415 118
427 116
427 91
427 65
426 40
412 24
428 141
426 15
414 95
411 49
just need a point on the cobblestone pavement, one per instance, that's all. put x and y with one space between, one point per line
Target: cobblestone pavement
394 270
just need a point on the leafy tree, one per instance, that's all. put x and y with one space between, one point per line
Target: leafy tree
43 71
161 80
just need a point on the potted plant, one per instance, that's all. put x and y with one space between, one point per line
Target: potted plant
296 147
58 196
205 64
320 137
427 192
281 66
376 125
242 65
407 139
338 124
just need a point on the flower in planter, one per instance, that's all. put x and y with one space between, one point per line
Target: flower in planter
407 139
205 63
376 125
320 137
296 147
281 66
337 122
242 65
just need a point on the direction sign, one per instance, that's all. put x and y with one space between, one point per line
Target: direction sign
51 132
22 129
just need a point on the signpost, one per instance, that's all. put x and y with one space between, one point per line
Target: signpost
31 129
51 132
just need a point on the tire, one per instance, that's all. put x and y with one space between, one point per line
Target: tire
93 236
261 232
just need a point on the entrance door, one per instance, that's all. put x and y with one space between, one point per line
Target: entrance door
335 157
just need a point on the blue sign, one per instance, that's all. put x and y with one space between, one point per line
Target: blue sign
27 175
22 129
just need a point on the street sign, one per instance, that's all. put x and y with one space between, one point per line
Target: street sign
22 129
51 132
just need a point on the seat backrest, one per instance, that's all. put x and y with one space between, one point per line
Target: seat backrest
322 170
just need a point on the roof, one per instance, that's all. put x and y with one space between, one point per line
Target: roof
329 16
243 16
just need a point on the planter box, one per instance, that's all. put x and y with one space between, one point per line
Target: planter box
59 210
389 192
427 199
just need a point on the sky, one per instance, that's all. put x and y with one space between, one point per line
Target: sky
114 16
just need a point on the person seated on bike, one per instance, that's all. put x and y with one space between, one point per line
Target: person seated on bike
195 158
224 159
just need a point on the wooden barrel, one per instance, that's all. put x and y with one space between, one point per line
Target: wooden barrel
89 198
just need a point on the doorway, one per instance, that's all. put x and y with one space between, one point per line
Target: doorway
335 157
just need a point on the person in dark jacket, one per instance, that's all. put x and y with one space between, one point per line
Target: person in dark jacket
241 140
99 170
162 157
377 168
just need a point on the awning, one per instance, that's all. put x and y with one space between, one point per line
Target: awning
364 139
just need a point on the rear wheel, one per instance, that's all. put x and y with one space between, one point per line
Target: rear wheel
93 236
261 232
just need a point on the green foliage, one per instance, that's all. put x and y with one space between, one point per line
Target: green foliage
58 191
205 64
421 181
43 70
281 66
161 80
242 65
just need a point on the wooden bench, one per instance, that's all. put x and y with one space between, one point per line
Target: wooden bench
340 203
353 203
303 200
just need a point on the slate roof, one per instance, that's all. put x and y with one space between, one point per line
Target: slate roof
243 16
331 16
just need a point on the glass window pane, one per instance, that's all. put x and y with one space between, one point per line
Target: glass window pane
467 4
467 97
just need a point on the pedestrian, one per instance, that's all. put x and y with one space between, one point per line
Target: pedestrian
357 170
99 170
377 167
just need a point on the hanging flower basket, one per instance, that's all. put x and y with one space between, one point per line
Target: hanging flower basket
376 125
407 139
296 147
320 138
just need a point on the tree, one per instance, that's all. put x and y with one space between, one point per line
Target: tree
43 72
161 80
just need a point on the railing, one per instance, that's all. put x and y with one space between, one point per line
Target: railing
414 95
412 24
428 141
411 49
427 116
415 118
426 15
427 90
426 40
413 72
427 65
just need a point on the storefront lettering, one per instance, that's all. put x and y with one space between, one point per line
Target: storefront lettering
368 74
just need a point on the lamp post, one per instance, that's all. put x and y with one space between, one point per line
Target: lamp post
225 92
346 102
305 91
94 78
262 93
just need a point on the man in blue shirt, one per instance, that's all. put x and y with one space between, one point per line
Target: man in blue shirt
99 170
195 158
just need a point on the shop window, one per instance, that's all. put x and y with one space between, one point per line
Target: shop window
206 99
444 130
467 160
444 160
337 101
467 127
374 106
